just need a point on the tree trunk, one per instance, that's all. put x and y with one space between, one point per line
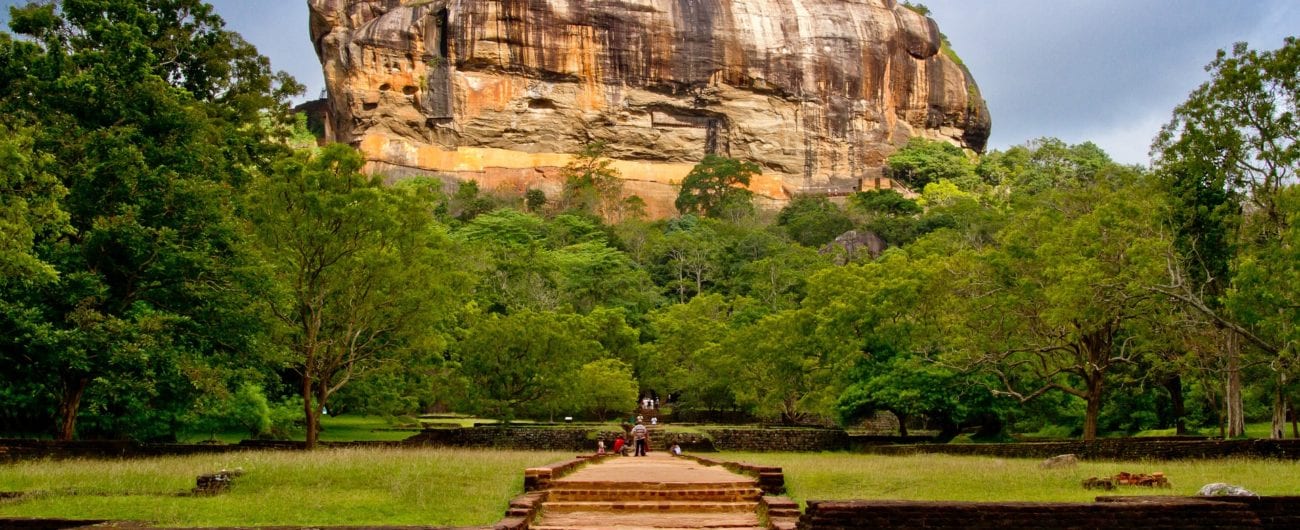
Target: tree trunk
1218 411
322 397
1295 422
1094 405
69 404
310 411
1174 385
1232 397
948 429
1277 430
902 422
681 285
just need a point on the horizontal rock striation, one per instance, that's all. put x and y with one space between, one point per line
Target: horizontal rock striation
818 92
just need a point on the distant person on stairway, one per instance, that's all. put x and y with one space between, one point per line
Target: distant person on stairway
642 438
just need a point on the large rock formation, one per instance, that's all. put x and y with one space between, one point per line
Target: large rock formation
818 92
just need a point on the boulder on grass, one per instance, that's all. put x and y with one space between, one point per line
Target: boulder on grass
1095 483
1221 489
1060 461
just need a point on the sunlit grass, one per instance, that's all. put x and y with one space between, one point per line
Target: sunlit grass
333 429
328 487
843 476
1253 430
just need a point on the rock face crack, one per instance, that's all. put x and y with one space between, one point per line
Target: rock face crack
817 92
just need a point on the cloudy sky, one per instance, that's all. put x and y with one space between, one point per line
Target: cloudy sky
1109 71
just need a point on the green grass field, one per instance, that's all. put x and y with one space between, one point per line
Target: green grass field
334 429
328 487
374 486
841 476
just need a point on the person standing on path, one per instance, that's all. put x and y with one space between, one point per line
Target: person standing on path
642 438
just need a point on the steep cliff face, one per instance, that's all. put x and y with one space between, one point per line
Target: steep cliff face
818 92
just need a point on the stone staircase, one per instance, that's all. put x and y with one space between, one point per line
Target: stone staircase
634 498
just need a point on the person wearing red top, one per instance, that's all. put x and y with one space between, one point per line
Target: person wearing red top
618 445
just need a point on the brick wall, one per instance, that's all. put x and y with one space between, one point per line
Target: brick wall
580 439
1110 513
550 438
779 439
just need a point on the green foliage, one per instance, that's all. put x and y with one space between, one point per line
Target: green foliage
566 261
468 202
528 363
534 200
1072 272
1229 158
886 202
151 117
918 7
685 360
1262 295
922 161
813 221
716 187
30 209
1045 164
786 366
604 388
361 271
593 185
246 410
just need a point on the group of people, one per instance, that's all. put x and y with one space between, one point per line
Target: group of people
640 437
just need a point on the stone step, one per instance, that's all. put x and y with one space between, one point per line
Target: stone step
646 521
625 527
656 506
623 485
749 494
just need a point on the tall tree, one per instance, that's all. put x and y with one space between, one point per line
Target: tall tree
717 187
525 362
1050 308
592 184
813 221
148 297
684 360
362 272
922 162
785 368
1227 154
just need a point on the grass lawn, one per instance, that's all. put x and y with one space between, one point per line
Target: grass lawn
328 487
348 428
844 476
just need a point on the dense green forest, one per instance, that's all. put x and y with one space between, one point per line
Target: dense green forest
178 255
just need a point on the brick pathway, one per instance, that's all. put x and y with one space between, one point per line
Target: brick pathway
655 492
